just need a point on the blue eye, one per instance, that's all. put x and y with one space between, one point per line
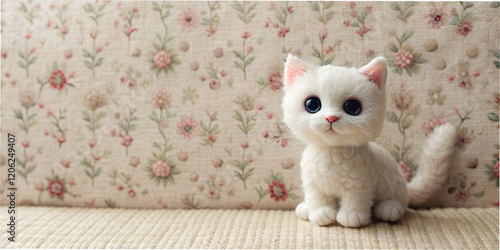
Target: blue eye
352 107
313 104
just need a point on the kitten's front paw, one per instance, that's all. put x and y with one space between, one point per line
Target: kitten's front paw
323 216
353 218
301 211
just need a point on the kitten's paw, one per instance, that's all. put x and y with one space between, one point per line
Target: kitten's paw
389 210
323 216
301 211
353 218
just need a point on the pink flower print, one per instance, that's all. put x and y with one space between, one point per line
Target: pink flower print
68 54
65 163
64 29
290 9
283 32
217 162
193 177
212 137
464 84
61 139
161 99
265 133
250 158
245 34
28 36
221 182
56 188
162 59
329 49
363 31
437 18
160 169
276 81
406 170
58 80
211 30
284 142
352 4
244 144
346 23
277 191
462 195
92 142
131 193
272 6
25 143
435 121
354 13
223 73
127 30
127 140
214 84
495 169
27 97
187 127
259 106
249 49
211 192
477 73
134 161
404 58
269 115
464 28
188 19
323 33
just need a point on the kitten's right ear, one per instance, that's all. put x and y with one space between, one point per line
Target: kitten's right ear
294 67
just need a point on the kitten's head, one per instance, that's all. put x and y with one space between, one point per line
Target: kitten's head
334 106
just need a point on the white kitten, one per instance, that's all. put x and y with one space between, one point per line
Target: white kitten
337 112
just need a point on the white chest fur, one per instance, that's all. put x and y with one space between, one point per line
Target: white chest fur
338 170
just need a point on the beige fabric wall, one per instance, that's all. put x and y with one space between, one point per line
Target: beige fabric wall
177 105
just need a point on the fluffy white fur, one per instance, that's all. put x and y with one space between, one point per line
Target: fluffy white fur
344 173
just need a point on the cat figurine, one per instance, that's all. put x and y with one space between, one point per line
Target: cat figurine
338 112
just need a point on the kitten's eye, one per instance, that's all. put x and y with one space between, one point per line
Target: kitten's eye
313 104
352 107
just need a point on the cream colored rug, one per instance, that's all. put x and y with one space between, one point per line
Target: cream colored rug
53 227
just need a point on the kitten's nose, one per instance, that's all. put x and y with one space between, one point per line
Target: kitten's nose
331 118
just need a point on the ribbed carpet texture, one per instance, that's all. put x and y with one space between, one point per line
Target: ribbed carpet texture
61 227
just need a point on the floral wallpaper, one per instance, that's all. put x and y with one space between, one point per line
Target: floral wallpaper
177 104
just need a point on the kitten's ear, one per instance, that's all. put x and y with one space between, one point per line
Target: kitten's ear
376 71
294 67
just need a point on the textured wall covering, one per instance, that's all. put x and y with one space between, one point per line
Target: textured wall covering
177 105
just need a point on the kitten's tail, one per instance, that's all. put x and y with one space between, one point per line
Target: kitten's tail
433 168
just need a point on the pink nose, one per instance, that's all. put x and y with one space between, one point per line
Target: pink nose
331 118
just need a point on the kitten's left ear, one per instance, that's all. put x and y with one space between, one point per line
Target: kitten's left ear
376 71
